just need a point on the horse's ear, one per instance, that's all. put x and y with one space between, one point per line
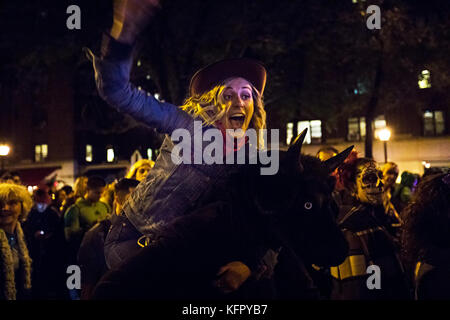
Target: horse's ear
336 161
295 150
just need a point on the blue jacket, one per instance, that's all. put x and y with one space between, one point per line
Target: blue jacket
169 190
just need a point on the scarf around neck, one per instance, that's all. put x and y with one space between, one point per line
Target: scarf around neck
7 264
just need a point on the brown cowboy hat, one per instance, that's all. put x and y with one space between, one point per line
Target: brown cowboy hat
208 77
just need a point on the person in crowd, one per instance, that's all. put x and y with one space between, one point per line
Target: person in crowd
426 238
108 195
326 153
86 212
16 177
79 191
390 174
57 203
403 191
368 230
82 216
45 237
91 256
432 171
15 261
140 169
11 177
224 95
68 190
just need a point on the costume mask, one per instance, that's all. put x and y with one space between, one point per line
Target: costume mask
369 185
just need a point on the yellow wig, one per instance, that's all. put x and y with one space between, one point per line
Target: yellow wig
9 191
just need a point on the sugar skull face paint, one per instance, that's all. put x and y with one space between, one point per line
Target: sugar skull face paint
369 184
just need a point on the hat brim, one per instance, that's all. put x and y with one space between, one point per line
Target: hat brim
214 74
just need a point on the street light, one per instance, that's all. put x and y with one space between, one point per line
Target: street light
4 151
384 135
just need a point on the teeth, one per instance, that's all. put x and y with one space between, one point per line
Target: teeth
237 117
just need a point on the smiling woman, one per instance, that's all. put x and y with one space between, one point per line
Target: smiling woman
15 203
234 103
224 95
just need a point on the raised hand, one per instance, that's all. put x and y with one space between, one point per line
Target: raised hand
131 17
232 276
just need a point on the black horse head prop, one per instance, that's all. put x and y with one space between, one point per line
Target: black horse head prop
300 198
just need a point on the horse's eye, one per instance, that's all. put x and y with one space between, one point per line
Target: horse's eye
308 205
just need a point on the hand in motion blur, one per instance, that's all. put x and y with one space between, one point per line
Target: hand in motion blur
131 17
232 276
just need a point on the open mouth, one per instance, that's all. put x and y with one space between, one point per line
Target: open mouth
237 120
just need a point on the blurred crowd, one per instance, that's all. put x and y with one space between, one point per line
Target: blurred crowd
43 233
400 223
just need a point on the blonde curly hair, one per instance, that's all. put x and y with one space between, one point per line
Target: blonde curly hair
208 108
9 191
132 172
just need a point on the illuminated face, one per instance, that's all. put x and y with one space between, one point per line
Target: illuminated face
120 197
62 196
390 174
142 172
369 185
237 100
9 212
325 155
94 195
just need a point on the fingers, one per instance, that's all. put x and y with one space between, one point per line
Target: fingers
222 270
232 276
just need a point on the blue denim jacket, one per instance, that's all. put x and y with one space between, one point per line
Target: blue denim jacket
169 190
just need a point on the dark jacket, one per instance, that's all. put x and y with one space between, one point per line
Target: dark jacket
170 190
370 243
91 257
48 253
432 275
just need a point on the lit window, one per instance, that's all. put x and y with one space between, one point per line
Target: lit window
433 123
424 79
40 152
44 149
314 134
88 153
289 132
356 129
149 153
110 154
379 122
37 153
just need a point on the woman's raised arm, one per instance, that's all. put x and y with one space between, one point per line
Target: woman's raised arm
112 69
